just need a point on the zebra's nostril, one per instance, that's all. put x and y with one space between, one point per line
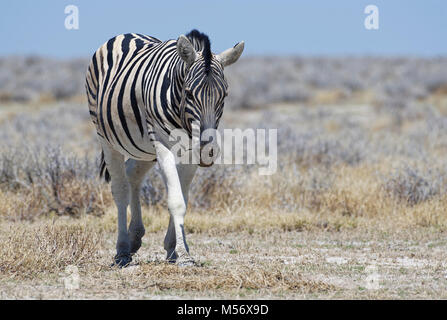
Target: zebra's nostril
208 154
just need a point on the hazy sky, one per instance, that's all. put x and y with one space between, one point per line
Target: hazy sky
312 27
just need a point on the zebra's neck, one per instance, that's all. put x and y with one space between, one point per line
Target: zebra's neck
162 88
178 81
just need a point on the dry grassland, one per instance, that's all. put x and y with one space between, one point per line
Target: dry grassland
357 209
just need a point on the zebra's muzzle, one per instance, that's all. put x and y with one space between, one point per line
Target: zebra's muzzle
209 148
208 154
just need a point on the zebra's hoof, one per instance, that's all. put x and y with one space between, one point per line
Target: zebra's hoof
186 262
122 261
171 257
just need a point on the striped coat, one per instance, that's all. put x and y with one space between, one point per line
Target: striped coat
140 89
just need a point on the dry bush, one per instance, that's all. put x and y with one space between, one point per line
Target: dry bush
254 81
413 185
329 157
29 78
31 251
42 181
332 175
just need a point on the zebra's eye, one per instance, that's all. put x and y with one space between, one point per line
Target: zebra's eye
189 95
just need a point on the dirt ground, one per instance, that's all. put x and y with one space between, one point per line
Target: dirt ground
269 264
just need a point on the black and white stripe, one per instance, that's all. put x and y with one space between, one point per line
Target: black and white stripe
137 84
139 90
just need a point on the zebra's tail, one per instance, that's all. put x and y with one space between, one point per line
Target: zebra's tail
103 172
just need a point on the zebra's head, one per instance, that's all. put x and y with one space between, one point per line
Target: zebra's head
204 90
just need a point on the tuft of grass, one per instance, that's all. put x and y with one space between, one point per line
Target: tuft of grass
36 250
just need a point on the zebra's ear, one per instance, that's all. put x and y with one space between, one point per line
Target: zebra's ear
231 55
186 50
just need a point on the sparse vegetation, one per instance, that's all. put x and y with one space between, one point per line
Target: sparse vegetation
361 163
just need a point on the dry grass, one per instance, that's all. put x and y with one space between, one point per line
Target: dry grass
201 279
356 186
29 251
309 264
42 252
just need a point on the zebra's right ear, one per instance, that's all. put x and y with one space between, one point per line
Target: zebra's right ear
186 50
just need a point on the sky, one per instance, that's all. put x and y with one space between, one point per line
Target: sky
306 27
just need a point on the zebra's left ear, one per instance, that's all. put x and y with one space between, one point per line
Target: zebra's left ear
231 55
186 50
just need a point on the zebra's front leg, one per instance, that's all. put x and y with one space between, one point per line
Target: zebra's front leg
176 203
186 174
135 171
120 192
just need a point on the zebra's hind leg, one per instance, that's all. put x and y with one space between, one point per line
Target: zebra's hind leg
120 192
135 171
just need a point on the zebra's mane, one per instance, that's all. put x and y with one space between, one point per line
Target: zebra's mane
202 43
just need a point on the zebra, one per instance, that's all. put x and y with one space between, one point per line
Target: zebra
139 89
